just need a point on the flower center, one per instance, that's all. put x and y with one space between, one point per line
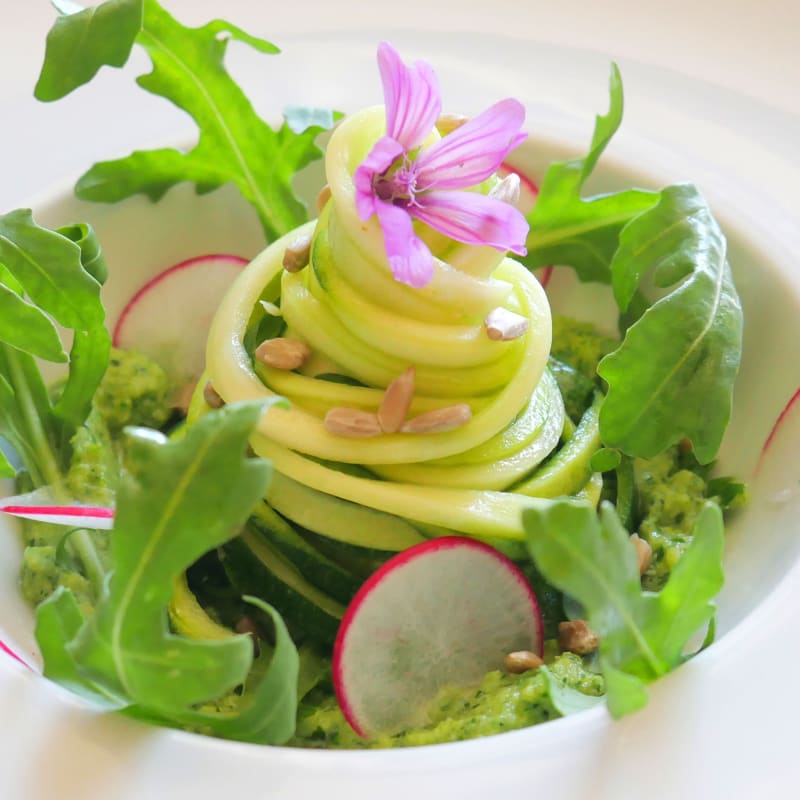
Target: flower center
398 184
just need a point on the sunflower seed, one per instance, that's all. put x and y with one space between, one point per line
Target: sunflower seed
507 190
396 401
644 552
503 325
296 255
439 420
447 123
577 637
283 353
323 197
521 661
352 422
211 396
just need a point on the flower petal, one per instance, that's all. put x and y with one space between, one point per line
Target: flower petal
378 160
409 257
474 151
473 218
412 97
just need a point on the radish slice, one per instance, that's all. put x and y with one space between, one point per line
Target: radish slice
441 613
168 318
794 402
38 506
528 193
4 648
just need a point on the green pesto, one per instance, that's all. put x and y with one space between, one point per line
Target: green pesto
670 500
580 345
134 391
500 703
41 575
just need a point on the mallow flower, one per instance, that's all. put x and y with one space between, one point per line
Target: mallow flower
401 182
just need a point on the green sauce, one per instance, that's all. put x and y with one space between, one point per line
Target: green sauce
134 391
500 703
670 499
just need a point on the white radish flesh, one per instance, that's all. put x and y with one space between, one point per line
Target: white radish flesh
39 507
169 317
442 613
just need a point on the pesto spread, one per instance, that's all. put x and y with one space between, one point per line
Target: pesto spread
134 391
500 703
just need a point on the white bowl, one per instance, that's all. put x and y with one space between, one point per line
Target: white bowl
708 731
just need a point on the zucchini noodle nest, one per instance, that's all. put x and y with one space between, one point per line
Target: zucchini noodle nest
364 329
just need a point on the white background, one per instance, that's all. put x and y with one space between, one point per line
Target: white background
750 47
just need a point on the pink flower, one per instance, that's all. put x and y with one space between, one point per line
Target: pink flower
401 183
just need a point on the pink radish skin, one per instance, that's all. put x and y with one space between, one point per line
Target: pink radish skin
441 613
168 318
529 191
6 649
793 402
75 515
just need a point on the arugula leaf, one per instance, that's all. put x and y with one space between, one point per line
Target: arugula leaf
23 325
178 500
7 469
235 144
643 635
267 712
85 39
583 234
58 621
182 499
92 258
672 377
44 279
48 266
566 699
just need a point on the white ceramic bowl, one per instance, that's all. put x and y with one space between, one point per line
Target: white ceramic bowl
712 729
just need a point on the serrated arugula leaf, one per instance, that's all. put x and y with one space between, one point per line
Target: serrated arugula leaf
92 258
24 326
583 233
267 710
625 693
7 469
234 146
181 499
84 39
673 375
47 277
178 500
643 635
58 621
48 266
